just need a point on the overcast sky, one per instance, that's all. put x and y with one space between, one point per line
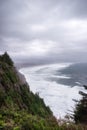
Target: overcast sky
44 30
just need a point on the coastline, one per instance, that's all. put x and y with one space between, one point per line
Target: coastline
54 94
43 79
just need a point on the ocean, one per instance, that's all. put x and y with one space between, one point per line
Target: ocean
58 84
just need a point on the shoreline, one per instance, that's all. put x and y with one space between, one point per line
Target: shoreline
26 65
50 91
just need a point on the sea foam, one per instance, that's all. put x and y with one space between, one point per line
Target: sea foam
57 96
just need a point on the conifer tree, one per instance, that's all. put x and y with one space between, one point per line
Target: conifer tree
80 113
6 58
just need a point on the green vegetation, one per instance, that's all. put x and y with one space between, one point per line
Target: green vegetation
6 59
20 109
80 113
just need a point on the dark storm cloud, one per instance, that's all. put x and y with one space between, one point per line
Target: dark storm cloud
44 29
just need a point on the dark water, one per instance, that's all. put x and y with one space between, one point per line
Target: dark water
77 74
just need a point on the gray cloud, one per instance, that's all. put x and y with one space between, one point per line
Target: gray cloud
44 30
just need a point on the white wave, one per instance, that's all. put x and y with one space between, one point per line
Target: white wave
61 76
58 97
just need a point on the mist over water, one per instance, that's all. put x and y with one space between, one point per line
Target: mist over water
54 86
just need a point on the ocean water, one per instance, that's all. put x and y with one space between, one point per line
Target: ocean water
57 84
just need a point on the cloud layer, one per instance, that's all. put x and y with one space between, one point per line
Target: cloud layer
44 30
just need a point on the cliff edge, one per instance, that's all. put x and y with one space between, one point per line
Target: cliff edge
20 109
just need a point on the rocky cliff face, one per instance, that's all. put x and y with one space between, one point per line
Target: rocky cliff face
20 109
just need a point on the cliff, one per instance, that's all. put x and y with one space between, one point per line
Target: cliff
20 109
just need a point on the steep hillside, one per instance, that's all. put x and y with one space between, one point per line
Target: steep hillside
20 109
